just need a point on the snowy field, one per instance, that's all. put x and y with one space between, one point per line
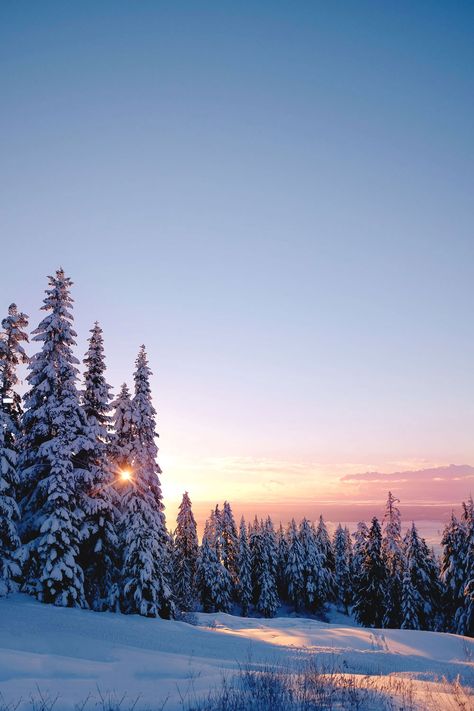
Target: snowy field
74 654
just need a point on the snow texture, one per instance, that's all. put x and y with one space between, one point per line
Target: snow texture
74 653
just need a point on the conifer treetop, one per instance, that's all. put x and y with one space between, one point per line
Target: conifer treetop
143 413
96 394
58 301
12 353
392 518
53 395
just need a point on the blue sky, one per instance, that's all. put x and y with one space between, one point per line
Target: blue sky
277 198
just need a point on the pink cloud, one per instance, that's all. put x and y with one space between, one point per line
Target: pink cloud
452 472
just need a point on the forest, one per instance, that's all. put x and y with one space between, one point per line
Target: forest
82 520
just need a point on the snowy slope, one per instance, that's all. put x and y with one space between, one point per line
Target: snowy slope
74 653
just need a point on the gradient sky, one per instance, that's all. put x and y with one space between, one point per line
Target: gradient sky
277 198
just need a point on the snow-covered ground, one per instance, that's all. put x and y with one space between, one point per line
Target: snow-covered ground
76 653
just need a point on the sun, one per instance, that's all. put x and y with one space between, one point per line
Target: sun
126 475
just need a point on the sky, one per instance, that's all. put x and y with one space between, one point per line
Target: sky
277 199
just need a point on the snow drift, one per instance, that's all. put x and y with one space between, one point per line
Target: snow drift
72 654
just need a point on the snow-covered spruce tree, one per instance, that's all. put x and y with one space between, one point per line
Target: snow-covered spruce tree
121 440
257 553
229 541
469 607
421 589
213 579
369 599
326 585
267 603
349 558
452 571
244 586
225 581
431 562
282 558
295 568
343 576
54 442
312 566
411 603
361 537
392 550
464 619
9 513
207 575
465 614
12 354
146 587
168 569
213 530
186 549
99 551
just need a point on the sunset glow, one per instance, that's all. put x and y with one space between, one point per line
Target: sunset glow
304 310
237 355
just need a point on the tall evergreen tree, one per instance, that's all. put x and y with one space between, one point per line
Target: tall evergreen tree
326 584
393 557
369 600
256 550
414 583
9 513
99 553
282 558
343 573
121 440
145 572
267 603
207 575
361 537
457 572
244 587
420 588
313 562
54 443
452 571
349 557
220 530
433 619
186 549
295 567
411 603
465 613
213 579
12 354
213 530
229 541
469 606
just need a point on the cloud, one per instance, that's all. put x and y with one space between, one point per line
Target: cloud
448 485
453 472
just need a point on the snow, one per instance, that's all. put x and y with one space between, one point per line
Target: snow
75 653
